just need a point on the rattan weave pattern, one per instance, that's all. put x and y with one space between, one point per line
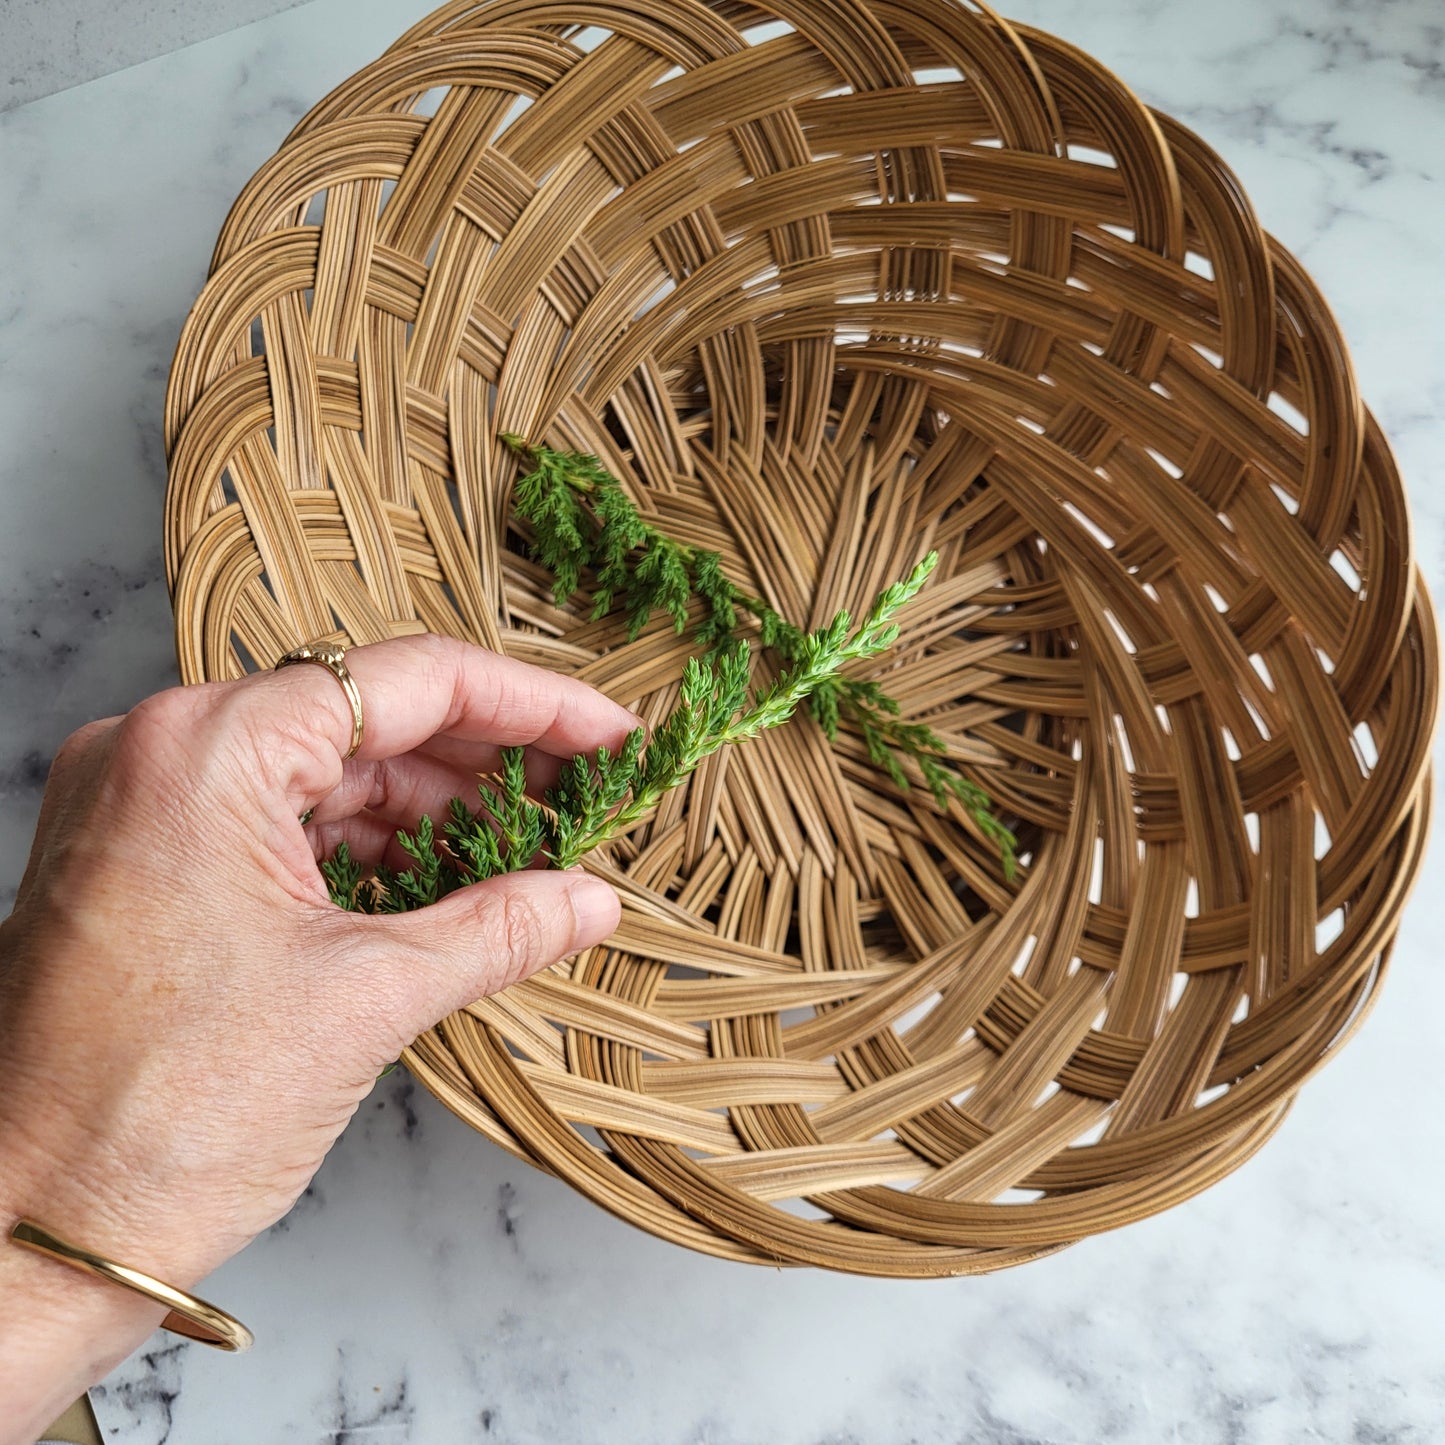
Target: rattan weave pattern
828 283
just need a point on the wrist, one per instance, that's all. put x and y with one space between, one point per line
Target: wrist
68 1174
76 1153
60 1332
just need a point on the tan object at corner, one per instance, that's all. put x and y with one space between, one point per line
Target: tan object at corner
77 1426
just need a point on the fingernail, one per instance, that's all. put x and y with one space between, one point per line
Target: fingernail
595 905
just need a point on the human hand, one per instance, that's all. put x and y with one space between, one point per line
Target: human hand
187 1021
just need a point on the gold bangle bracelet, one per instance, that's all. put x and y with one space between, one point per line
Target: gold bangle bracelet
188 1315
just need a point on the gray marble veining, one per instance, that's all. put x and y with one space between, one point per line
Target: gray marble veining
429 1288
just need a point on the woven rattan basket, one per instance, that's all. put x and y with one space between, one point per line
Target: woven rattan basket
829 283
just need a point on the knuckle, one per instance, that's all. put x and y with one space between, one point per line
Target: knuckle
524 931
515 922
152 729
440 655
279 721
80 742
182 730
159 709
450 668
445 659
436 646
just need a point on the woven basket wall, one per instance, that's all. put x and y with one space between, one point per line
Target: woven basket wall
828 284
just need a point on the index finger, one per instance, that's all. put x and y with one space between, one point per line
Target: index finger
417 688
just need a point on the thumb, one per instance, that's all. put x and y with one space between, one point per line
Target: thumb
488 935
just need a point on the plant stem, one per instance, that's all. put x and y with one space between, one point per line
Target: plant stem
582 519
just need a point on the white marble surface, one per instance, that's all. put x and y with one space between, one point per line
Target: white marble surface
430 1289
50 45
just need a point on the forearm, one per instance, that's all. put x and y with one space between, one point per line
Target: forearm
60 1330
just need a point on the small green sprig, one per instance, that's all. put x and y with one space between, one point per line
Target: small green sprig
604 796
582 520
889 740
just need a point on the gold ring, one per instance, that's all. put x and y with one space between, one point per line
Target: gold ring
332 656
188 1315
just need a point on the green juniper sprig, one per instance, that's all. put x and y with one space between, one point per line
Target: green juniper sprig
889 739
582 520
604 796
